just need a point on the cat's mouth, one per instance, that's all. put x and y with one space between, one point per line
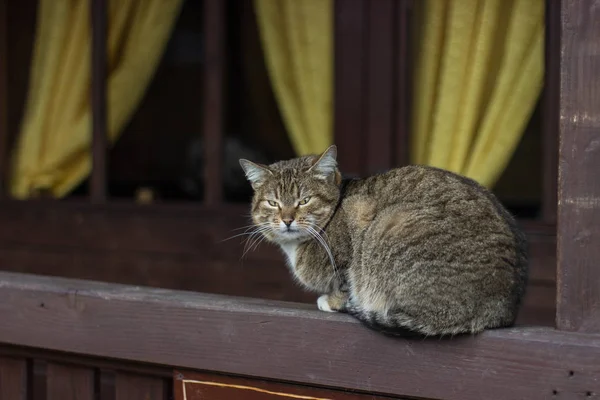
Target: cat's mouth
290 233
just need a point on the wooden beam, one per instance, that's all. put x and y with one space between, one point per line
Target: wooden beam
98 181
214 90
578 242
380 90
4 156
289 342
371 96
402 80
350 41
551 112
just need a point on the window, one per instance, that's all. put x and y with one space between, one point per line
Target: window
173 188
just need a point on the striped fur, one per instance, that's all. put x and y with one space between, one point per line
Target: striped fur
413 251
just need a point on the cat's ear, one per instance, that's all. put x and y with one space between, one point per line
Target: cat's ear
255 173
326 165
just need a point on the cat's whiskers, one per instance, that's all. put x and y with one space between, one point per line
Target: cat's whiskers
249 229
318 229
257 242
313 232
252 225
255 238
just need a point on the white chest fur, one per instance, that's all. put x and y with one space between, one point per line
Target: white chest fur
290 250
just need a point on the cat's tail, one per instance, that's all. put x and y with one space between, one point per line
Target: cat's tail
386 324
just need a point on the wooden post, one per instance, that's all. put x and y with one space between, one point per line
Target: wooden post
379 91
578 275
98 182
214 34
3 96
350 39
550 112
403 81
371 79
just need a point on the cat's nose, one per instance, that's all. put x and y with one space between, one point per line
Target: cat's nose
287 221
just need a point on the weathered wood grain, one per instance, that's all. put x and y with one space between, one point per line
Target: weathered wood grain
67 382
139 387
13 378
289 342
578 297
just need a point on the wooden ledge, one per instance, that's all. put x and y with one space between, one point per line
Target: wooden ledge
289 342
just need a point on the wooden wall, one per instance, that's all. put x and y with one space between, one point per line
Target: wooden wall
27 374
27 378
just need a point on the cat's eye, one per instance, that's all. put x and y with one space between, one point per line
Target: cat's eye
304 201
272 203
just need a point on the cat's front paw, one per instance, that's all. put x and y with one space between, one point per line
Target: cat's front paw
323 303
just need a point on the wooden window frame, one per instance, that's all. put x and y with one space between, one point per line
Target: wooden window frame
293 342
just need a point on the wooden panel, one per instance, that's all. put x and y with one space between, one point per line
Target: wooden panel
265 279
37 377
13 378
578 301
138 387
98 181
200 386
379 107
35 235
289 342
105 367
67 382
350 30
170 230
179 249
182 249
214 30
105 384
3 94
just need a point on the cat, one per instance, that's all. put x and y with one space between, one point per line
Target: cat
414 251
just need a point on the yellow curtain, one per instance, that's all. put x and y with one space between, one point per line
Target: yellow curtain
479 68
297 39
53 148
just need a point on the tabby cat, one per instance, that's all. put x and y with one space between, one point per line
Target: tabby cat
413 251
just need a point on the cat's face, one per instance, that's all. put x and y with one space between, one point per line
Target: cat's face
294 199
